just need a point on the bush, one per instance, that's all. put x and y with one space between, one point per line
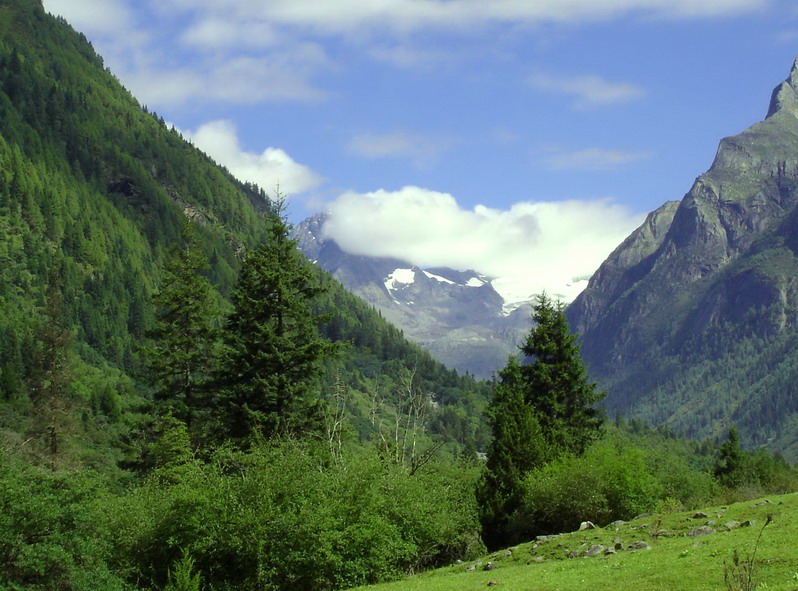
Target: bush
49 538
288 517
611 481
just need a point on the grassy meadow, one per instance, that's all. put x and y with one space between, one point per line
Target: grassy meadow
678 557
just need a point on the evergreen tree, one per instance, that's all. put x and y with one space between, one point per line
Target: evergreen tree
185 335
273 351
730 467
555 381
50 371
540 410
516 449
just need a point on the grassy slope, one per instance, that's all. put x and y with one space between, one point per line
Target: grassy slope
675 561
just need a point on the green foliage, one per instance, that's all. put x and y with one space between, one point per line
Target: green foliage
540 411
182 577
518 447
610 481
50 538
273 353
730 468
185 335
556 382
286 517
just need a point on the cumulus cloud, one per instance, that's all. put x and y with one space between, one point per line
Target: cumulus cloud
591 159
588 91
533 246
420 148
269 169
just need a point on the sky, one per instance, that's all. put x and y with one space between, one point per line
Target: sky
524 139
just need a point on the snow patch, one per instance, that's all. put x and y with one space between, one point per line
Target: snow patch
399 277
438 278
476 282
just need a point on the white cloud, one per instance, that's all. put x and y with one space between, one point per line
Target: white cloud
280 76
269 169
252 51
588 91
533 246
354 16
591 159
421 149
92 15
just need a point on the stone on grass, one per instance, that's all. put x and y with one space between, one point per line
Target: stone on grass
639 545
594 550
704 530
586 525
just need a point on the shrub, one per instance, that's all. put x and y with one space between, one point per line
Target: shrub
611 481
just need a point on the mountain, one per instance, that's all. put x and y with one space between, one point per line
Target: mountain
457 315
94 193
692 322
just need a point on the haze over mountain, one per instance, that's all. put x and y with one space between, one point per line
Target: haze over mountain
692 321
459 316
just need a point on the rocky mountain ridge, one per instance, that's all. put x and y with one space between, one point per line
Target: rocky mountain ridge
688 321
457 315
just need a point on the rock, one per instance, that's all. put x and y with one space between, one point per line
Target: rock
489 566
506 553
763 502
700 515
731 524
617 523
748 523
538 559
618 546
473 566
573 554
643 515
586 525
704 530
639 545
610 550
492 583
594 550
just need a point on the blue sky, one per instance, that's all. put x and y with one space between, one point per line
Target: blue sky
523 138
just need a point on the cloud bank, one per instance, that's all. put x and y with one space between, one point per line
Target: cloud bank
533 246
269 169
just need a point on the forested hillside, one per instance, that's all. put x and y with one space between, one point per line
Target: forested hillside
93 192
187 403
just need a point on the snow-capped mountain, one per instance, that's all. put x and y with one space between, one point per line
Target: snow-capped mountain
459 316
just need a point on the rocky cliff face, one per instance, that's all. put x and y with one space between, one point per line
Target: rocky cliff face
700 279
457 315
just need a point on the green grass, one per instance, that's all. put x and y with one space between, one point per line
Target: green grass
675 561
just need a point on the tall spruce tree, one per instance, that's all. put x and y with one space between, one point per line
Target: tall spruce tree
273 350
540 410
517 448
555 381
185 335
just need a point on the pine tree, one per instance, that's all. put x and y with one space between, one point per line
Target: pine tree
517 448
555 381
540 410
273 351
730 467
185 335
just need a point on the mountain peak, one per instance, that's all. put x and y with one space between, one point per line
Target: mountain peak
785 95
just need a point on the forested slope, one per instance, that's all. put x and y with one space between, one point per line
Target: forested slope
94 190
